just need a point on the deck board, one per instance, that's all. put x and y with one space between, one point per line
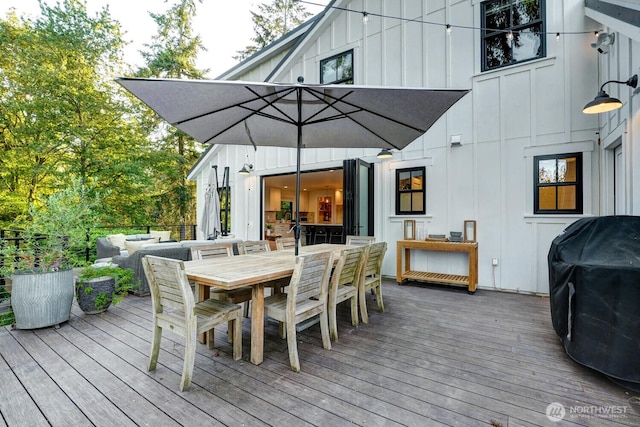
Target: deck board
437 356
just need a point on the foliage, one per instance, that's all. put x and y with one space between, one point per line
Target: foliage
272 22
54 234
123 284
62 116
6 317
173 54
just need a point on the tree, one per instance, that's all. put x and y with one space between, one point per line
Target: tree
61 114
272 22
173 54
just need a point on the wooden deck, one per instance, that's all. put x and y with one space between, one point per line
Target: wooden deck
437 356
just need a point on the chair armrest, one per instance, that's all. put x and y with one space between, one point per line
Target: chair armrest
104 249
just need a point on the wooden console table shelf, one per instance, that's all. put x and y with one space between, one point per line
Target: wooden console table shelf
404 252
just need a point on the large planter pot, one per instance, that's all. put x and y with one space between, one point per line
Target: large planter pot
94 296
39 300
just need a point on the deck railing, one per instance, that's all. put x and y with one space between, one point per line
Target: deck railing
178 231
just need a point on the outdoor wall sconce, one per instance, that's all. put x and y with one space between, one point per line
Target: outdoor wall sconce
603 102
246 169
385 154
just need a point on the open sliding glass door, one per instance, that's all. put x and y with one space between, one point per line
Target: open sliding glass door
358 198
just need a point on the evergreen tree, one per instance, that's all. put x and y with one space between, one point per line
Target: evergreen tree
172 54
272 22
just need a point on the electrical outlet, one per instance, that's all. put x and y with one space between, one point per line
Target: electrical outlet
494 261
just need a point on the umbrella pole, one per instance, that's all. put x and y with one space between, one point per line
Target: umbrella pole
296 231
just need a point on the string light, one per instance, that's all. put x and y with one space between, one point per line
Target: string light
449 27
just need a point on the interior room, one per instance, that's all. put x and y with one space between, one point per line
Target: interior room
321 204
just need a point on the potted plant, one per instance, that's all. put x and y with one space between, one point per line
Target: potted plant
40 265
97 288
269 228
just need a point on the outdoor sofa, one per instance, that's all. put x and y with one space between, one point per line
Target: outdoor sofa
133 261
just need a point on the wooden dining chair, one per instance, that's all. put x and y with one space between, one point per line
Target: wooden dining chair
343 286
175 309
360 240
371 278
306 298
285 243
236 296
211 251
252 246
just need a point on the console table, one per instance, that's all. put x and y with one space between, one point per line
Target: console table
404 248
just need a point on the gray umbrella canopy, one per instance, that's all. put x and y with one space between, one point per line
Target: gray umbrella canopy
294 115
210 220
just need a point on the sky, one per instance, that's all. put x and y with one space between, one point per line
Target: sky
224 25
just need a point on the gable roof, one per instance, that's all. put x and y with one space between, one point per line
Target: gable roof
292 42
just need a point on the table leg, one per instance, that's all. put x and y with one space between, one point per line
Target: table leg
202 293
257 324
473 270
399 250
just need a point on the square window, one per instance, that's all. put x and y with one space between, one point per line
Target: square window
558 182
512 31
337 69
410 197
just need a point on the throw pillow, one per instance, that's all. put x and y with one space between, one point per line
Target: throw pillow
134 245
117 240
163 235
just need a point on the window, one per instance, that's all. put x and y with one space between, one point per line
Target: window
513 31
338 69
410 191
558 183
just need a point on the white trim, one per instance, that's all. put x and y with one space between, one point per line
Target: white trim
614 135
628 30
514 69
403 164
562 148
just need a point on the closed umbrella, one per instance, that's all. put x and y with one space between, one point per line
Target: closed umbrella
210 221
294 115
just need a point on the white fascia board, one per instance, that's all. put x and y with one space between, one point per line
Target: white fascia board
616 25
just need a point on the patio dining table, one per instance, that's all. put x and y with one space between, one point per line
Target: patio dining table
254 270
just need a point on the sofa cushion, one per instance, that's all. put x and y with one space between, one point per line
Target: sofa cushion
163 235
162 245
134 245
117 240
190 243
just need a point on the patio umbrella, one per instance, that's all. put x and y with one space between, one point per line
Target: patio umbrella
210 221
294 115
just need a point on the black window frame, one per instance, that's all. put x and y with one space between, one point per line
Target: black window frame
488 33
579 184
399 191
348 80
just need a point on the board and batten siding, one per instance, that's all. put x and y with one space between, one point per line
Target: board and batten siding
511 115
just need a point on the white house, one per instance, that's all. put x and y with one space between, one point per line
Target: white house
492 156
